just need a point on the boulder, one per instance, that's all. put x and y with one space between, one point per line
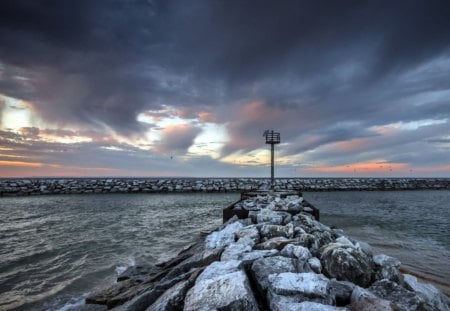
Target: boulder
346 263
303 306
138 272
197 260
435 298
404 299
225 292
298 302
248 258
271 231
172 299
344 240
308 284
104 295
269 216
360 293
249 232
315 264
296 251
235 250
224 237
218 268
372 304
342 291
386 267
364 247
275 243
263 267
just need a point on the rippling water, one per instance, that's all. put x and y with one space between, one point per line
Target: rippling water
413 226
56 249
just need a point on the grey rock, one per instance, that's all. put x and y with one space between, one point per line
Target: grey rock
386 267
90 308
365 247
404 299
346 263
138 272
269 216
275 243
342 290
248 258
360 293
372 304
172 299
104 295
304 306
296 251
435 298
197 260
263 267
315 264
271 231
225 292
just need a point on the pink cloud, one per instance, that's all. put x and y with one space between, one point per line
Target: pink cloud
177 138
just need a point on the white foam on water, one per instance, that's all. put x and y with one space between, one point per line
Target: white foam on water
121 268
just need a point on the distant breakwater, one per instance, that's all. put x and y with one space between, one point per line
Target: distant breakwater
46 186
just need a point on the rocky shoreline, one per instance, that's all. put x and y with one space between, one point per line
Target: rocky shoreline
46 186
276 259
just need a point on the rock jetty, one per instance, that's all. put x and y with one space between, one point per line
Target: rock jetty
45 186
278 258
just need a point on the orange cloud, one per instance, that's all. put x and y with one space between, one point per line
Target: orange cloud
352 145
365 167
21 164
204 116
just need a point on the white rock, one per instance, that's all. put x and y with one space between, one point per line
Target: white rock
306 306
218 268
224 237
315 264
235 250
250 232
256 254
297 251
386 261
308 283
267 215
223 291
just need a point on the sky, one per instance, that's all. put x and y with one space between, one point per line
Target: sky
187 88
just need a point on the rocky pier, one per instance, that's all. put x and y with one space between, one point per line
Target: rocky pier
46 186
272 260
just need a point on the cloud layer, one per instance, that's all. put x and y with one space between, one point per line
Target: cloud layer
344 82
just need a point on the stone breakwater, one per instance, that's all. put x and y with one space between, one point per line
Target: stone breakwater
22 187
273 260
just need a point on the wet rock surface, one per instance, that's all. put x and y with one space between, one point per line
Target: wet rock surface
273 260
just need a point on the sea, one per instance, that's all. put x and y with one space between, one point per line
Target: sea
56 250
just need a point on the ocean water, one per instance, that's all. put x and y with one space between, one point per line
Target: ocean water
413 226
54 250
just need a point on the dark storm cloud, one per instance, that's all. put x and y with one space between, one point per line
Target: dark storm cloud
100 63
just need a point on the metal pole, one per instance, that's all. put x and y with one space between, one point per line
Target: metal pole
272 149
